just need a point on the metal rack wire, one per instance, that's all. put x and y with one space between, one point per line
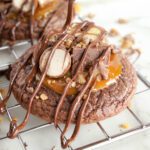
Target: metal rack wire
107 140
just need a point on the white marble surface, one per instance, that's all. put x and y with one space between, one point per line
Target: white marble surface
106 13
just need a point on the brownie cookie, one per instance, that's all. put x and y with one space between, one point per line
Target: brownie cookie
102 103
16 24
72 76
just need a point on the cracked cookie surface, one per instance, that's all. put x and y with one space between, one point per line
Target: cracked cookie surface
102 104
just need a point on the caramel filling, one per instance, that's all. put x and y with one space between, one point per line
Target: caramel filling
42 12
115 69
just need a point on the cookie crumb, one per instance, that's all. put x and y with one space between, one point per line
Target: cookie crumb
53 148
53 81
90 16
124 126
43 97
73 84
15 119
37 78
127 41
82 44
132 51
3 91
130 104
85 96
113 32
81 79
30 89
68 80
77 7
68 43
1 120
37 97
122 21
49 81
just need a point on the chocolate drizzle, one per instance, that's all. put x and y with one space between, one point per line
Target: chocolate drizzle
77 100
70 14
3 103
34 57
14 30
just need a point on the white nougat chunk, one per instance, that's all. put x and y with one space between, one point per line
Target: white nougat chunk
18 4
44 2
91 35
59 65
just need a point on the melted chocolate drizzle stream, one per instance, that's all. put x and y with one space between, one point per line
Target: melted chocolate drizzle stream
69 15
34 54
78 98
14 129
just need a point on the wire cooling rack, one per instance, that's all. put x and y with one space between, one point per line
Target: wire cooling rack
90 136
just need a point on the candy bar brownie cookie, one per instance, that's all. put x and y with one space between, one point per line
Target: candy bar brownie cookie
28 19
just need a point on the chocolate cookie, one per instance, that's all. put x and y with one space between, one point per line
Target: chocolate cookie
16 24
102 103
72 76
